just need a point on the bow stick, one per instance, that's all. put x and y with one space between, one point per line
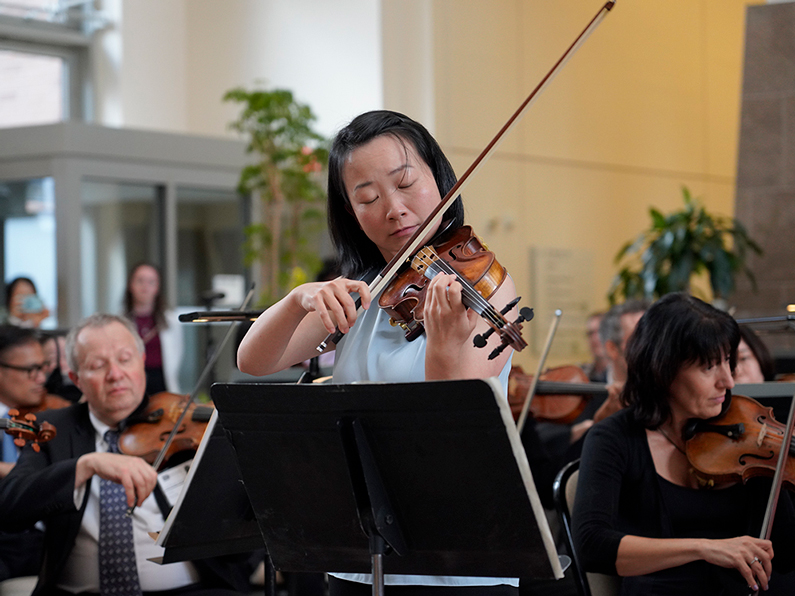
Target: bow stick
387 273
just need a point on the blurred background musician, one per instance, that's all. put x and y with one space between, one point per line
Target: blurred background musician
641 512
754 362
62 485
144 304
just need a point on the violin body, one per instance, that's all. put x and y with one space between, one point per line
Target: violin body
744 442
50 402
561 394
146 434
404 298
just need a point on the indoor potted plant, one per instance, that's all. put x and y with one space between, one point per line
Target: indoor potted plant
676 247
287 176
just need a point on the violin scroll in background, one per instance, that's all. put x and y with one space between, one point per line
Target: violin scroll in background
145 434
743 442
25 429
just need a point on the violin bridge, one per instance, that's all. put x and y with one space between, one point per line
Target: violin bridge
423 260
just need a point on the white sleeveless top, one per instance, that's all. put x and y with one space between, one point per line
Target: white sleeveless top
373 350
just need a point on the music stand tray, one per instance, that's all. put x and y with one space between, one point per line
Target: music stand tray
453 477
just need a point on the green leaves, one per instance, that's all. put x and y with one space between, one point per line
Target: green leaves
288 178
679 245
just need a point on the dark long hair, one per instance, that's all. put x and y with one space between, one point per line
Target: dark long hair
676 331
13 284
160 304
356 253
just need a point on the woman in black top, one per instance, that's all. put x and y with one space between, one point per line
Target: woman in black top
640 511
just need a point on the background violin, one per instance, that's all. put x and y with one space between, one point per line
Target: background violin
561 393
743 442
50 402
25 429
145 434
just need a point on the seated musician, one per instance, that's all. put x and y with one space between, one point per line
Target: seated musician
640 510
81 488
386 175
754 361
22 376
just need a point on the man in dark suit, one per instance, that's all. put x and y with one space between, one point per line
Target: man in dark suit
63 485
22 376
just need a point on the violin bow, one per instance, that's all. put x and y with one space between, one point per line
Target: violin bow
413 243
778 479
547 345
193 394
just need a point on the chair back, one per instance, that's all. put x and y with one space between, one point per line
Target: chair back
564 489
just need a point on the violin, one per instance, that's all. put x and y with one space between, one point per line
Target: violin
561 393
25 429
463 254
50 402
509 332
145 433
743 442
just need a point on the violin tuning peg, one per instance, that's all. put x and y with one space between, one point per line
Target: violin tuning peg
527 314
480 339
497 351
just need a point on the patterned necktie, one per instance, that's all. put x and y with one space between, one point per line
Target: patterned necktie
118 573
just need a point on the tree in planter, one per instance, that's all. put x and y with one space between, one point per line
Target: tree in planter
677 246
287 177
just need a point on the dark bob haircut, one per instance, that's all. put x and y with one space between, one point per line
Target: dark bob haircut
357 254
678 330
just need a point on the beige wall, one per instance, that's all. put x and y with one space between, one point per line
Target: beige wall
649 103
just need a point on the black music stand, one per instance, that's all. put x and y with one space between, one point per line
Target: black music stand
212 516
339 475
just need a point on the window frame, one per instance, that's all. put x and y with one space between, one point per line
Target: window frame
73 46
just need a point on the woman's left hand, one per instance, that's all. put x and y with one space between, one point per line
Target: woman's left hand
451 328
447 320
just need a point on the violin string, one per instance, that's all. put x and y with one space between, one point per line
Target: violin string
488 311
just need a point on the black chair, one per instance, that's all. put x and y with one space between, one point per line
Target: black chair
564 488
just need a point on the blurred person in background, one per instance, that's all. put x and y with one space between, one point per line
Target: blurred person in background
144 305
23 306
754 362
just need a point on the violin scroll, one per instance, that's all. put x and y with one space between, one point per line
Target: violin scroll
25 429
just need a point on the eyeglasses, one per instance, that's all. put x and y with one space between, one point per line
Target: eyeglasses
33 370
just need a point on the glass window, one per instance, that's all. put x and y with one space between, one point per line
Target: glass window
27 213
121 225
31 89
209 262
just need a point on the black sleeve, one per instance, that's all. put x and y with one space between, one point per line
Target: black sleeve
596 505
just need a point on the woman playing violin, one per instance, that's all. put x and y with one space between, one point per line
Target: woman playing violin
641 513
386 174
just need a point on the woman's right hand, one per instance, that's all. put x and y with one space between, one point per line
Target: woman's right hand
333 302
750 556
